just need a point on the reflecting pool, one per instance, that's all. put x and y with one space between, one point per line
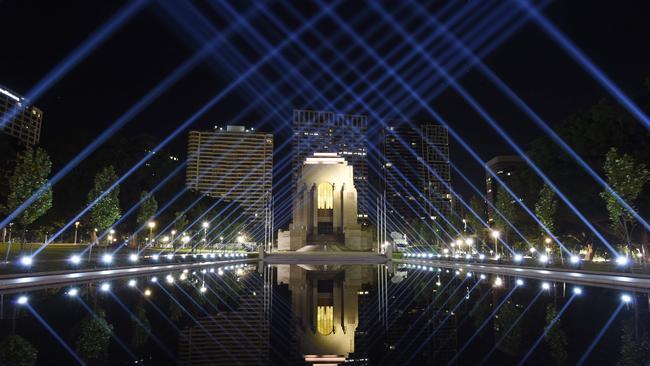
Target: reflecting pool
252 314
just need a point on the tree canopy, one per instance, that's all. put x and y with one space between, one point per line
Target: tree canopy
30 176
106 210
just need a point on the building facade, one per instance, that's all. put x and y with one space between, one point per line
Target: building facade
504 166
235 164
416 171
18 119
344 134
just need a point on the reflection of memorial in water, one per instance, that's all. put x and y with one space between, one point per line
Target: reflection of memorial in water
325 306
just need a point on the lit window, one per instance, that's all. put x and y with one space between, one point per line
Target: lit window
325 198
325 319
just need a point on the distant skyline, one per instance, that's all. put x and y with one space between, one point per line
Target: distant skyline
151 45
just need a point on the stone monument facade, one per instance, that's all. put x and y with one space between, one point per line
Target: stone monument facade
325 207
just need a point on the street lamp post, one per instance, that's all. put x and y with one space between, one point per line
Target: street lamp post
495 235
152 225
205 225
173 232
548 241
76 230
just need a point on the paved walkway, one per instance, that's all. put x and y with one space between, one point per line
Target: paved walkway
614 280
35 281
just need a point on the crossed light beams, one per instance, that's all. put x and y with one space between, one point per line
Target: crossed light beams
474 104
308 53
145 101
161 87
536 118
485 322
456 168
467 96
367 108
581 58
440 308
452 191
451 312
157 91
122 16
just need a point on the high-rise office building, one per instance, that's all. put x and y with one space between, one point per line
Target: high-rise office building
504 166
19 119
416 171
233 163
344 134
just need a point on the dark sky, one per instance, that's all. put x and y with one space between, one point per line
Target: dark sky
36 35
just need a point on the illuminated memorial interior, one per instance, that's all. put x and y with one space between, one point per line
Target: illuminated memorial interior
325 207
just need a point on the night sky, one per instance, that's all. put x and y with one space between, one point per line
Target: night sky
36 35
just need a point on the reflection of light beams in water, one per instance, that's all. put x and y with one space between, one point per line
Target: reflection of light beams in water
398 294
135 318
600 334
547 329
210 316
485 322
164 316
514 324
113 334
247 280
451 312
196 321
54 334
418 320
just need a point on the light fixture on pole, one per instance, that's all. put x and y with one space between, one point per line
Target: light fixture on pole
151 225
495 234
76 230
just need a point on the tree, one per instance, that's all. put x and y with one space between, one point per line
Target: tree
17 351
180 222
94 338
555 337
545 209
148 208
476 223
507 212
106 210
626 177
29 177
